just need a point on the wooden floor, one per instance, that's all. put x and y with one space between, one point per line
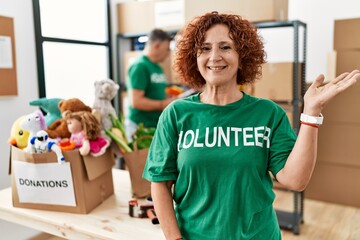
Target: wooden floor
322 221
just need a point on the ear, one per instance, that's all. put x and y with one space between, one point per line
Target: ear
65 113
60 103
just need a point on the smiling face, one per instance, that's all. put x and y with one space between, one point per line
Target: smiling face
217 60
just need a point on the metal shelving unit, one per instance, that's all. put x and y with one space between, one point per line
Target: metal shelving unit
292 220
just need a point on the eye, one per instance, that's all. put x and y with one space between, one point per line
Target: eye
21 132
225 47
205 49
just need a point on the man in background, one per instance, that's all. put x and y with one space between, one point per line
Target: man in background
146 83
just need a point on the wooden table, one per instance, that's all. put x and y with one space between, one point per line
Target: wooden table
110 220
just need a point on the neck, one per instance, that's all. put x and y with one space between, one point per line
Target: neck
218 96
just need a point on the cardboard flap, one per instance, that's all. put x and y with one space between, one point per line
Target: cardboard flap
20 155
97 166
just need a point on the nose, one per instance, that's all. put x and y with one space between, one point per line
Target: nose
215 55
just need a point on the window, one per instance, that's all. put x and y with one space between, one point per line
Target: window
73 47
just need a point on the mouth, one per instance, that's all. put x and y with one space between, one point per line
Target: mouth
216 67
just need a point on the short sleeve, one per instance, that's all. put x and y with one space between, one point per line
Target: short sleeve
282 142
138 76
161 164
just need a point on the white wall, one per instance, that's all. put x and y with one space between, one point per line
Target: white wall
13 107
319 16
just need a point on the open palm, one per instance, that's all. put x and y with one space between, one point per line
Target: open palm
319 94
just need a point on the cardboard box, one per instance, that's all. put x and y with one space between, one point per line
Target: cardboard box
344 108
276 82
77 186
346 61
141 17
335 183
255 10
347 34
136 17
338 144
342 61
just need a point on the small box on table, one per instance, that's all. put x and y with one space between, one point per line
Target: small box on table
76 186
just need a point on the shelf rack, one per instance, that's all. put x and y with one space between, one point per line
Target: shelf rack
292 220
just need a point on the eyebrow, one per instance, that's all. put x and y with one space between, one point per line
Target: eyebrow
222 42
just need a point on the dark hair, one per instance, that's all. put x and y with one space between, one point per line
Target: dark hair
247 42
159 35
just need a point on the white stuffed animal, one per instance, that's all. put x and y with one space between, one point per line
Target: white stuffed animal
33 123
42 143
105 91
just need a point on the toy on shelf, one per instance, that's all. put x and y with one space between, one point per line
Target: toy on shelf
42 143
105 91
59 129
33 123
50 107
85 133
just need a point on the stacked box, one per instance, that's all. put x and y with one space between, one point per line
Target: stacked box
140 17
337 174
277 82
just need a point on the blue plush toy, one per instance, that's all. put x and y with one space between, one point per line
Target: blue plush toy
50 107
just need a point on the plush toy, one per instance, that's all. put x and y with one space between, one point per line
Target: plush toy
85 133
50 107
18 135
42 143
59 129
33 123
105 91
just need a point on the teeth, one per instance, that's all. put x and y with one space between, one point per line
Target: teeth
216 68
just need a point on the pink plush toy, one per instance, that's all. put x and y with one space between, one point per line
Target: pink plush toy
85 133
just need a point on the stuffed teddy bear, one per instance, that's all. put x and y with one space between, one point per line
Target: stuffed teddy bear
85 133
59 129
33 123
105 91
50 106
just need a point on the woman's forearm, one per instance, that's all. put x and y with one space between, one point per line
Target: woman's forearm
163 203
300 164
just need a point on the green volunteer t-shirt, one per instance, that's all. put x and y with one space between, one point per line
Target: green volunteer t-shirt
220 158
149 77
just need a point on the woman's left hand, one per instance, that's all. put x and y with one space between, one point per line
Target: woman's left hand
319 94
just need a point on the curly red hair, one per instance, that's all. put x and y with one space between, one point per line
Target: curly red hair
247 42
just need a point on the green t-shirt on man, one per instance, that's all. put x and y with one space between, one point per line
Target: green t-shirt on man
149 77
220 158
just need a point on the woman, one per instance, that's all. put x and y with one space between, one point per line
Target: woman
218 147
